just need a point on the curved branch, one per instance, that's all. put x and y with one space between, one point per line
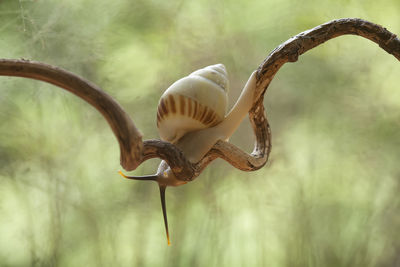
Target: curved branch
289 51
128 136
133 152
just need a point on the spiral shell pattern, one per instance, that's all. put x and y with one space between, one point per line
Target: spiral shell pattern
192 103
187 107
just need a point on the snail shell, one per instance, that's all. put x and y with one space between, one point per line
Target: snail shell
192 103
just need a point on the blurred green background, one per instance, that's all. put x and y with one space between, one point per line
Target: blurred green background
330 195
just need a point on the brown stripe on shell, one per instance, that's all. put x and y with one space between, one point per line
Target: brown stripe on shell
215 120
189 100
210 117
203 114
164 110
172 103
197 111
182 104
158 113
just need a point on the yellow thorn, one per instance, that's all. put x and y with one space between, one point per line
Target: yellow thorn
123 175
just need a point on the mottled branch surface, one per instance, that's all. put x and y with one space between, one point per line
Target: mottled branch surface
134 151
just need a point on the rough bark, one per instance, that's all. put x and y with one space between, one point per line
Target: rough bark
134 151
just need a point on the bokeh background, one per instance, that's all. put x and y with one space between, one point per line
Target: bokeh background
329 196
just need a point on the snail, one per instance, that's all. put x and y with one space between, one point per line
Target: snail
192 103
192 115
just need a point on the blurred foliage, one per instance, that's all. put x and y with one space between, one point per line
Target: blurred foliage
328 197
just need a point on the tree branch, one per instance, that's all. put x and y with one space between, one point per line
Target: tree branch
290 51
128 136
134 152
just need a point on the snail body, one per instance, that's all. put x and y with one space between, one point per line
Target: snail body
191 115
